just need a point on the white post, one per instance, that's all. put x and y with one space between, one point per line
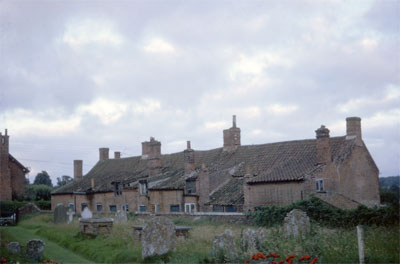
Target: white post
360 236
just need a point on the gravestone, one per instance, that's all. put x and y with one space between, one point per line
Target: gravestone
34 249
121 217
60 214
296 223
14 247
86 214
70 214
252 240
158 237
224 248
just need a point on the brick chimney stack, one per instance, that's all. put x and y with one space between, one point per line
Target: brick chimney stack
103 153
232 136
5 173
117 155
78 174
246 190
188 159
324 155
204 188
151 151
353 128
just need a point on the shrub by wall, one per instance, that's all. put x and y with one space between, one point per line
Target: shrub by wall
328 215
7 208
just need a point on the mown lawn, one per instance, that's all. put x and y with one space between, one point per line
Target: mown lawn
329 245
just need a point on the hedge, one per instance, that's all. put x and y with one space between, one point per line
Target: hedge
8 208
328 215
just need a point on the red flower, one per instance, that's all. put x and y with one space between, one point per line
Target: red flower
255 257
3 260
314 260
290 257
280 262
247 261
304 258
290 261
273 255
260 255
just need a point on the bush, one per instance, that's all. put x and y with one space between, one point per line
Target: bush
328 215
38 192
7 208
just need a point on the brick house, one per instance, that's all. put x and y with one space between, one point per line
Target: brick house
12 172
233 178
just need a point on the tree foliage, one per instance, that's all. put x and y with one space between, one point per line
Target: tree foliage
43 178
38 192
61 181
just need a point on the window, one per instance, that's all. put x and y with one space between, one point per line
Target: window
190 208
320 185
218 208
174 208
142 208
71 205
83 205
99 207
143 187
124 207
117 188
230 208
113 208
191 187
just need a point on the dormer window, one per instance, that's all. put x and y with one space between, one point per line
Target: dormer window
320 185
117 188
191 187
143 187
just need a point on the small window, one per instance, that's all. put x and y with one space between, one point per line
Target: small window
142 208
190 208
174 208
191 187
230 208
124 207
320 185
113 208
99 207
71 205
83 205
218 208
143 187
117 188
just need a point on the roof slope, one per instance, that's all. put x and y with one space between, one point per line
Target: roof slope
282 161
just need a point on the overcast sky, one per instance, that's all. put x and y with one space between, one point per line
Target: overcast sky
79 75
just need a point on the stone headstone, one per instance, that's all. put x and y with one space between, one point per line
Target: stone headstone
86 214
14 247
224 248
121 217
296 223
60 214
70 214
34 249
252 240
158 237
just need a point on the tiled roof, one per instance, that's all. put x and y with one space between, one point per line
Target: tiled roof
282 161
229 194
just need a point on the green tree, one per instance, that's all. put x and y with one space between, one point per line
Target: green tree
43 178
38 192
63 180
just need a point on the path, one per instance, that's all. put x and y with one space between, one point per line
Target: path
52 250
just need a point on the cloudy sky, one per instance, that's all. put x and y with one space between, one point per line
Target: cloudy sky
79 75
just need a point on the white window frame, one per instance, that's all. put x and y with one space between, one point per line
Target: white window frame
97 204
143 188
319 184
190 207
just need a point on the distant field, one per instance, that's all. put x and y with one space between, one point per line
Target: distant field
64 242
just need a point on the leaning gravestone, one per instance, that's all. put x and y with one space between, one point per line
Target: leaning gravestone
34 249
60 214
86 214
296 223
158 237
252 240
224 248
120 217
14 247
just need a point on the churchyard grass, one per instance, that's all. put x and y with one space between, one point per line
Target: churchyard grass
329 245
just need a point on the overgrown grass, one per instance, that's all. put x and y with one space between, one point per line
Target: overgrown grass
337 245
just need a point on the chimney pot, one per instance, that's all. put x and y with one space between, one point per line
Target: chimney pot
188 144
117 155
324 155
234 121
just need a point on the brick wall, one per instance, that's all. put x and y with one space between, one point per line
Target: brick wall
17 179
